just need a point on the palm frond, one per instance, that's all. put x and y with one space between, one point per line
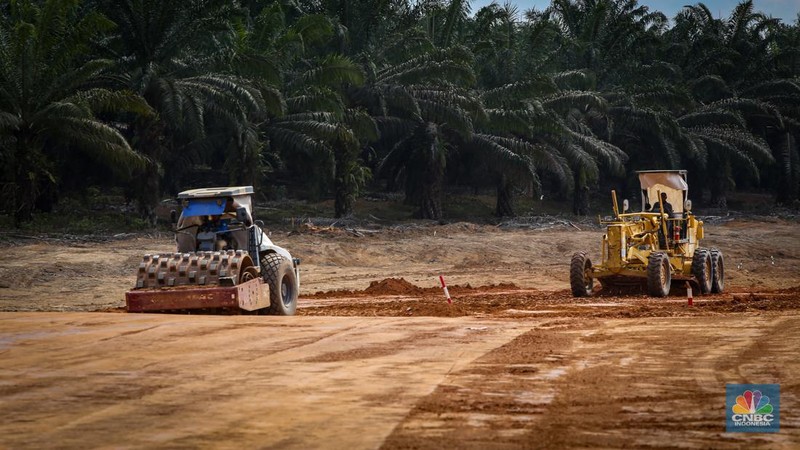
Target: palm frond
287 139
323 131
575 79
104 143
773 87
710 87
362 124
450 116
101 100
507 156
434 72
508 121
712 117
316 100
757 148
513 93
393 129
333 71
9 122
274 102
751 107
399 100
577 156
563 101
610 155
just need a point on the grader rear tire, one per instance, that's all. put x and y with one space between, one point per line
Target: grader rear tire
702 269
717 272
580 275
279 274
659 275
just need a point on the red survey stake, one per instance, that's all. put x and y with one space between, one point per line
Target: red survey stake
446 292
689 294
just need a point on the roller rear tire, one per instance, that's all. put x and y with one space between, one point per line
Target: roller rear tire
278 273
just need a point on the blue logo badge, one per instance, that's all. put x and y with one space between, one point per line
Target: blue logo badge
752 408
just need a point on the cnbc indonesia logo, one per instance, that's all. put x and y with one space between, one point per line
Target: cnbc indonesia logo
752 410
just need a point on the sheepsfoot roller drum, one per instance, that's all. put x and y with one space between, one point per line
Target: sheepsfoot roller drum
224 263
647 251
205 280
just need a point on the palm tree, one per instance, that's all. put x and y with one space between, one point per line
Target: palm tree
607 37
738 49
422 109
777 120
560 123
170 53
494 36
49 101
313 130
662 126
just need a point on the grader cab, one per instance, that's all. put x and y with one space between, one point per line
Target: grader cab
653 247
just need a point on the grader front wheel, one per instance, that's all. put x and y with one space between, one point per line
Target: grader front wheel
659 276
702 269
580 275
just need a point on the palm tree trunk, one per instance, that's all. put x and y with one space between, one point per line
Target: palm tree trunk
147 183
429 193
345 176
431 201
720 181
24 180
580 198
343 205
719 197
787 184
505 199
344 197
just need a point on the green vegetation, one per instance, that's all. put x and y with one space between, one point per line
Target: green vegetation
319 100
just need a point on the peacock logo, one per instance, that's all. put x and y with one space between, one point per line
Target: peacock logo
752 402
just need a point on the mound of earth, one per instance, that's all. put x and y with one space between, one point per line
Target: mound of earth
393 286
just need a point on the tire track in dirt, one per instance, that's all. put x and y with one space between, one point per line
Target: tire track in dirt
611 384
185 384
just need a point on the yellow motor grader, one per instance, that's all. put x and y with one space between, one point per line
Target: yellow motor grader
654 247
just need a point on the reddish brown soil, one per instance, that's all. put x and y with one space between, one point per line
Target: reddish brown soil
401 298
378 358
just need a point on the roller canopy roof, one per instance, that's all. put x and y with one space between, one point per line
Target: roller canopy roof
216 201
217 192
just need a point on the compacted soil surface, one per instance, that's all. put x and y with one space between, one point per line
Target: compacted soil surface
377 358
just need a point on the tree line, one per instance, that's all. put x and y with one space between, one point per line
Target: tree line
330 97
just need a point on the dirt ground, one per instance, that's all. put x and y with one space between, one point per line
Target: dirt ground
376 358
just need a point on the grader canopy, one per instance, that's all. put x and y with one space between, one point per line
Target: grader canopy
673 183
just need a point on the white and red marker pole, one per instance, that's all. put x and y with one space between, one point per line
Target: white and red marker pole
689 293
446 292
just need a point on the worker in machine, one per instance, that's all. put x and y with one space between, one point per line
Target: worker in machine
216 226
665 203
